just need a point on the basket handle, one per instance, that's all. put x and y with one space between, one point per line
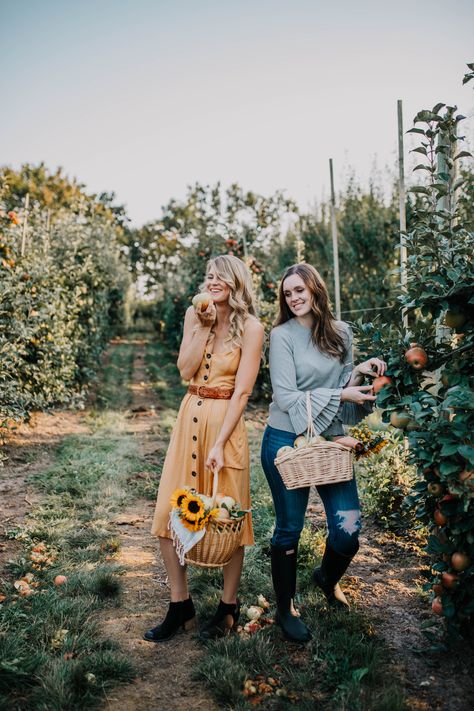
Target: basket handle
215 482
310 429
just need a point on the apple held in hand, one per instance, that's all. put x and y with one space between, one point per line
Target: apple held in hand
202 301
416 357
380 382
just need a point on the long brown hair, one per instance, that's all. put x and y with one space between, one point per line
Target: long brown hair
324 332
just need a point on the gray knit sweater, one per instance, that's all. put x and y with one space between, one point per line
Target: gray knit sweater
296 366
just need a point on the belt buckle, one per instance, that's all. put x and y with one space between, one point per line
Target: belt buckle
198 390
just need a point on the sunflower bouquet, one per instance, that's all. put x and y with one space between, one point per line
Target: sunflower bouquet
369 442
194 510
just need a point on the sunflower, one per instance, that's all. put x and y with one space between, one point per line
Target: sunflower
196 525
177 497
192 507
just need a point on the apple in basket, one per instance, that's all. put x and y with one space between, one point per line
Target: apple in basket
222 515
223 500
284 450
300 441
206 500
317 439
201 301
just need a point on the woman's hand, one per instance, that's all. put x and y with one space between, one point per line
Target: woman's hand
215 458
207 317
373 367
358 394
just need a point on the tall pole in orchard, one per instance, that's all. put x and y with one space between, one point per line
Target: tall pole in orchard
402 208
335 249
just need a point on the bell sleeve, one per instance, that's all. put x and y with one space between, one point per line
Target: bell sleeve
325 402
349 412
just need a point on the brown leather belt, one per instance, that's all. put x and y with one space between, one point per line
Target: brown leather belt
213 393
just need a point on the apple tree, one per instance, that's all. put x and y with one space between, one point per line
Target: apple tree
430 391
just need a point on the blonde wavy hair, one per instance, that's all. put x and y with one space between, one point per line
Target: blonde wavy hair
233 272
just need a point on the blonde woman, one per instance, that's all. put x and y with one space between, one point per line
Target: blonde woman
220 354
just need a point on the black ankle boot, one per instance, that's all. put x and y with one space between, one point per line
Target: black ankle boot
224 621
326 577
180 615
284 582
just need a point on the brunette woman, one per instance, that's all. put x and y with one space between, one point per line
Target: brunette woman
220 354
311 351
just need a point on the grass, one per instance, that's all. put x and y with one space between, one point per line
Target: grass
52 652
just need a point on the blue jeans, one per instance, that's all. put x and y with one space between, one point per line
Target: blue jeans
341 502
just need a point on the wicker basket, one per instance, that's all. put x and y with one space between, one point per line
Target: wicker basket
325 463
219 543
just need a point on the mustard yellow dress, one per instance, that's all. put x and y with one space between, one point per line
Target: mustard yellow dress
194 434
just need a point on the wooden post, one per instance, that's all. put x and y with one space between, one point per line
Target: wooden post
335 250
25 224
402 208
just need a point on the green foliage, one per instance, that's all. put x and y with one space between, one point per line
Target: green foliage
385 479
439 399
62 290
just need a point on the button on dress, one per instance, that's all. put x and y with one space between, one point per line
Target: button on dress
194 434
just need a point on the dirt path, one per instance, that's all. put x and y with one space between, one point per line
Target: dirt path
163 681
30 449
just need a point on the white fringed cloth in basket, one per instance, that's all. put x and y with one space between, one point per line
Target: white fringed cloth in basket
183 538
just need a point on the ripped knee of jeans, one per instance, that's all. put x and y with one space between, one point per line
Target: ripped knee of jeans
349 521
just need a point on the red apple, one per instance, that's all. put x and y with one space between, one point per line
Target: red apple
440 518
460 561
60 580
454 319
416 357
435 488
449 580
380 382
437 606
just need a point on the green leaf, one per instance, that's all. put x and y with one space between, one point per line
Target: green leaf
463 154
416 130
419 189
420 149
449 467
467 452
358 674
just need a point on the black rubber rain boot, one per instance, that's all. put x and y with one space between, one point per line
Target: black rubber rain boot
180 616
327 576
284 582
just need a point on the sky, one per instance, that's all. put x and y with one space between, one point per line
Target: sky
146 97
